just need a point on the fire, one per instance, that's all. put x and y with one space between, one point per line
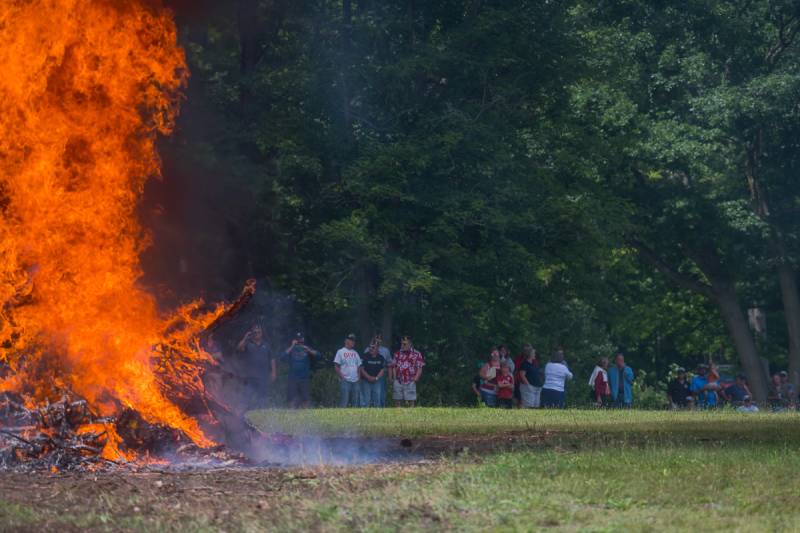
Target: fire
87 86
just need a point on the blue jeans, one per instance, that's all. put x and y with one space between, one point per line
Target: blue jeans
382 398
553 398
350 393
490 400
370 393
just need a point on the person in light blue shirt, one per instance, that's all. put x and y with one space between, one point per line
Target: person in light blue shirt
704 392
620 380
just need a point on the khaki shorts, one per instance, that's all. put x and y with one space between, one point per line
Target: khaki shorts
404 391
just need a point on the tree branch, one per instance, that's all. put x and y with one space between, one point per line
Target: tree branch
685 281
786 34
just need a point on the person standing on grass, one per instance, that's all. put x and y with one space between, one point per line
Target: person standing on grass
620 380
348 364
373 368
505 386
600 391
255 356
556 375
488 373
298 385
530 376
505 357
387 357
518 360
705 393
680 395
406 370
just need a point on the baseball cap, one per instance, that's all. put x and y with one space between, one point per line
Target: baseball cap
784 373
681 370
298 336
351 336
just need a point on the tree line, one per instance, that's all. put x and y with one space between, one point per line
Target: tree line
585 175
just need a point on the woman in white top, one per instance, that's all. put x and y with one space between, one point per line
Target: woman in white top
556 375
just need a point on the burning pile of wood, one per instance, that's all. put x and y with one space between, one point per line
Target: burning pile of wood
64 435
67 435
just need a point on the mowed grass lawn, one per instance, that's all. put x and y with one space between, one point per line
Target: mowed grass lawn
593 471
631 470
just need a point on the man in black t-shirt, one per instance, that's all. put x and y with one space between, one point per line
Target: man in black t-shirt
679 392
373 367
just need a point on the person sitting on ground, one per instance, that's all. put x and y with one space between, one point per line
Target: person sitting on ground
556 375
347 363
620 380
788 391
300 358
488 373
735 393
406 371
775 396
680 395
598 381
747 405
373 367
705 393
505 386
530 375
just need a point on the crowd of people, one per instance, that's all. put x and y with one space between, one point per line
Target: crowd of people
502 380
525 382
362 376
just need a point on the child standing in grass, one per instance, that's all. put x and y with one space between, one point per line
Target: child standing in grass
505 386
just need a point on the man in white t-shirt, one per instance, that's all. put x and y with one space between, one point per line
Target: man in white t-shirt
347 363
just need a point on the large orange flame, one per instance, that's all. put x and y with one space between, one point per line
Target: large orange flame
86 86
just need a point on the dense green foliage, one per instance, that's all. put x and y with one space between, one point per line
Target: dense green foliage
590 175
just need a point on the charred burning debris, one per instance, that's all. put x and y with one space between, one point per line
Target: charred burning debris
69 434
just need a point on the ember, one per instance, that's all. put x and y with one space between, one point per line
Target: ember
82 345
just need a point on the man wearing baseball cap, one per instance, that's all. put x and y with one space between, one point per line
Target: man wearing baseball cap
678 390
348 363
300 358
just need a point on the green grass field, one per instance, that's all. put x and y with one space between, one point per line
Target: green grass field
585 471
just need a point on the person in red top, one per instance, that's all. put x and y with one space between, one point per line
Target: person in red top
505 386
405 371
599 383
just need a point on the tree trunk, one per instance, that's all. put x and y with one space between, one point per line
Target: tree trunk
387 321
791 309
724 295
363 299
721 290
247 20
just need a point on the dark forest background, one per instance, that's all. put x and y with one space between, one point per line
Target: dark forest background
592 175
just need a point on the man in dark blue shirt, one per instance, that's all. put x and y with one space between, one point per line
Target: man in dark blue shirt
255 357
735 394
300 357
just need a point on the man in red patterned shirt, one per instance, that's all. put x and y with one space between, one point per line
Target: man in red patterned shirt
406 369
